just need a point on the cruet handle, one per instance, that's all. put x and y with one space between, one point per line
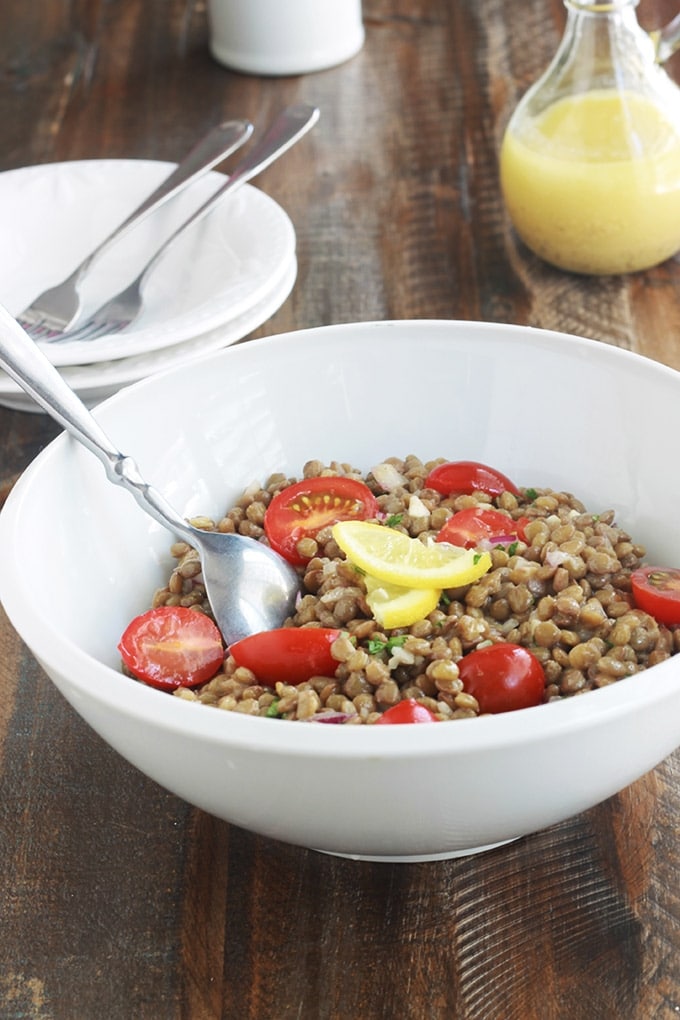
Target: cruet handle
666 40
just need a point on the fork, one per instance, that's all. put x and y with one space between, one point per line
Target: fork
121 310
57 309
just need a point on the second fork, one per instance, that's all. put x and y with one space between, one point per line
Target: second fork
121 310
57 309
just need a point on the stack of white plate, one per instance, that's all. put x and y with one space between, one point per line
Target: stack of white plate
216 284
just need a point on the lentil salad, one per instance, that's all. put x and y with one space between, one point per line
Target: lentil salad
558 586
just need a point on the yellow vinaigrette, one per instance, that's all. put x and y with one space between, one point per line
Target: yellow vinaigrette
406 576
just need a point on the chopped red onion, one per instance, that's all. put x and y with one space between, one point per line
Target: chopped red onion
330 717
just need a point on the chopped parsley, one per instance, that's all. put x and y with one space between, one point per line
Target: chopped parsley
376 646
393 520
273 710
530 494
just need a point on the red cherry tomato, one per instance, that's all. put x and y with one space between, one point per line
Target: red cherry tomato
172 647
408 711
467 476
656 591
288 654
303 509
503 677
476 524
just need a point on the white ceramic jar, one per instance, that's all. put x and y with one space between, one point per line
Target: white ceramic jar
282 37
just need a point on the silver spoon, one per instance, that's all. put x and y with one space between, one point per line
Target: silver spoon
250 587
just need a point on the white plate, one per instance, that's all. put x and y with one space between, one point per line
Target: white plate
95 383
52 216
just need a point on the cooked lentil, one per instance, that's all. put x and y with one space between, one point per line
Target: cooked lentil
564 594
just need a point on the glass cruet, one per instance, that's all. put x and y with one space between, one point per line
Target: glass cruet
590 159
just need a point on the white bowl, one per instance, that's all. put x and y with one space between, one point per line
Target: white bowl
80 559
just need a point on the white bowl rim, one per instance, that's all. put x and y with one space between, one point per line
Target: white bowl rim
134 700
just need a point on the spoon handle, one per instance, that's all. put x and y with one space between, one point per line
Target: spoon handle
23 360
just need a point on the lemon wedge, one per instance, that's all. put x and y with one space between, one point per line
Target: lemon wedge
392 556
394 606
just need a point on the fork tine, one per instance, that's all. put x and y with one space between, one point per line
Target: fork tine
28 322
88 331
37 329
107 329
91 330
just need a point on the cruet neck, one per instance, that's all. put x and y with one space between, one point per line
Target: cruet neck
612 7
603 47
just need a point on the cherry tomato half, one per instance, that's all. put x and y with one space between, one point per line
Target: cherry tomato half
172 646
408 711
476 524
467 476
303 509
503 677
288 654
656 591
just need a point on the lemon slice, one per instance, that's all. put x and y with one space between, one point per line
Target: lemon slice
394 557
394 606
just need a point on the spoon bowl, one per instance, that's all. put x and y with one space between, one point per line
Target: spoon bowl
250 588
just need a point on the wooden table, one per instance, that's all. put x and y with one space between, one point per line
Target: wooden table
118 900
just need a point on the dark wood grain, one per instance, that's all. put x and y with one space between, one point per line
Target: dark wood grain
118 900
